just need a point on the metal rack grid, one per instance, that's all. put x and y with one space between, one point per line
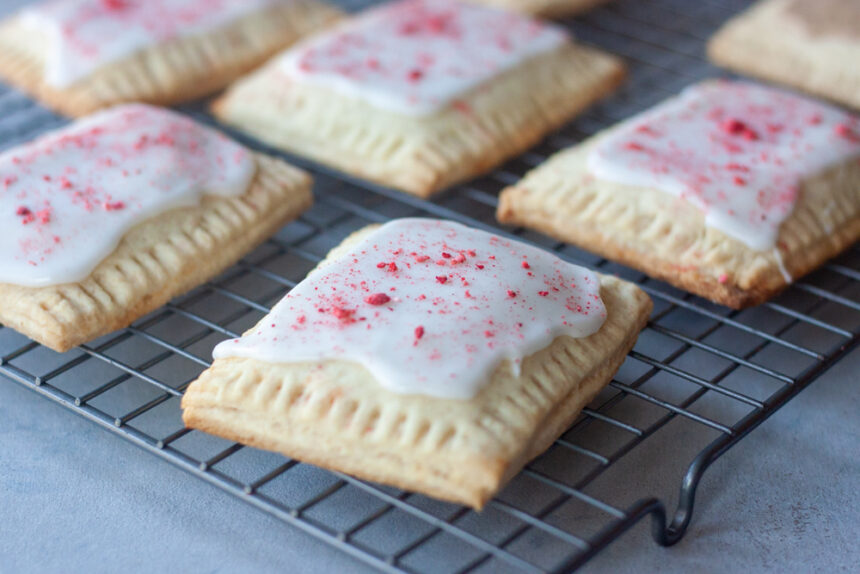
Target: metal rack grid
700 378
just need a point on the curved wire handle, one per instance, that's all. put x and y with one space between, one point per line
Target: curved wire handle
668 534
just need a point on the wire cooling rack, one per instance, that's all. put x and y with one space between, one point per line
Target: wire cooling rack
700 378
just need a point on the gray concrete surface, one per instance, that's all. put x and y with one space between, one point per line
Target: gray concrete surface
78 499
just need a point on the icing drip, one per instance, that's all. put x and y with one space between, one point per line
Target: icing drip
781 265
428 307
737 151
416 57
85 35
67 199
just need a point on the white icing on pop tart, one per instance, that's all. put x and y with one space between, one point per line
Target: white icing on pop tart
86 35
737 151
67 199
416 57
428 307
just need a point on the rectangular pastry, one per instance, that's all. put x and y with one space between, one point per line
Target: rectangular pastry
425 355
729 191
544 8
78 56
390 97
109 218
813 46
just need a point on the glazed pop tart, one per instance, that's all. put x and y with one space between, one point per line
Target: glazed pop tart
78 56
390 97
112 216
811 46
731 191
425 355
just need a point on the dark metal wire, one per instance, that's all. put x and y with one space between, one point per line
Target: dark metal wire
719 371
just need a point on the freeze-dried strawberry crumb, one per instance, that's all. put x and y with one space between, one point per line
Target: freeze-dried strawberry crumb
343 314
377 299
113 205
845 131
736 127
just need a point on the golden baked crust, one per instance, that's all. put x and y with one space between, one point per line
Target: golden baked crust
335 415
667 238
544 8
769 42
175 71
159 259
422 155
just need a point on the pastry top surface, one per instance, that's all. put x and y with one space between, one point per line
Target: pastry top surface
82 36
68 198
738 152
428 307
822 18
416 57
